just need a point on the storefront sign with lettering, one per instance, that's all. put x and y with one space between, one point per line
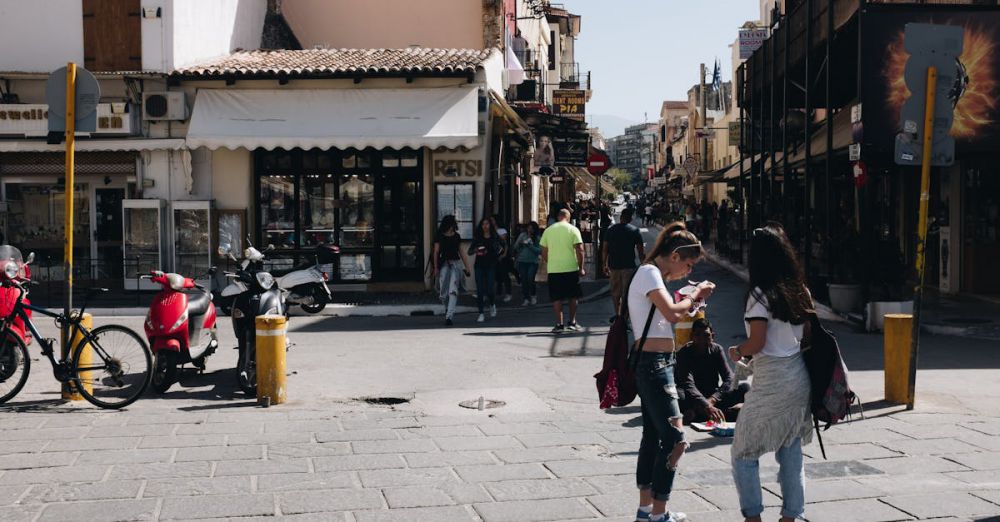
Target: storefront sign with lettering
457 167
32 120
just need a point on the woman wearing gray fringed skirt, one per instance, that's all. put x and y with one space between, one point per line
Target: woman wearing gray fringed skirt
776 416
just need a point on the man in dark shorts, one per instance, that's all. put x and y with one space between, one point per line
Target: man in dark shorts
562 252
701 365
621 244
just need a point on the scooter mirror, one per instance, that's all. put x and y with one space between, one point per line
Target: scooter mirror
223 251
31 258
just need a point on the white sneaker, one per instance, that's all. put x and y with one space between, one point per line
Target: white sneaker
506 298
493 310
481 318
534 300
526 302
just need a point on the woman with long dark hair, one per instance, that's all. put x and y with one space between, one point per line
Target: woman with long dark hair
775 416
451 266
671 258
527 249
487 248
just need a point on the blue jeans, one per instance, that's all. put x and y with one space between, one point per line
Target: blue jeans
791 476
654 378
528 271
486 276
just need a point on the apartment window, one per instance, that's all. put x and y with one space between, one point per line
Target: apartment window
112 38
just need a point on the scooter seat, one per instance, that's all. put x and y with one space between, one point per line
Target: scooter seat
198 303
281 272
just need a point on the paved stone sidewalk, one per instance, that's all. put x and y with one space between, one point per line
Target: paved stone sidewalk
375 463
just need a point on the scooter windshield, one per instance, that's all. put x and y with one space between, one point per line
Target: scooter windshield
9 253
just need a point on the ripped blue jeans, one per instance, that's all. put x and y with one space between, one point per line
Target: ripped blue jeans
654 378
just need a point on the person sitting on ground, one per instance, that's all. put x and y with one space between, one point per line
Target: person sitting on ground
701 364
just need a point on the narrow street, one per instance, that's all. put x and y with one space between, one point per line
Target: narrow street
373 430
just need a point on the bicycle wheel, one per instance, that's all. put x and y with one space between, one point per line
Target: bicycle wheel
115 371
14 365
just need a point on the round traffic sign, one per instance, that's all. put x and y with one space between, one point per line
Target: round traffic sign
88 93
598 163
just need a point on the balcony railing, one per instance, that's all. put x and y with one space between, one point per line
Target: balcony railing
570 77
530 60
529 91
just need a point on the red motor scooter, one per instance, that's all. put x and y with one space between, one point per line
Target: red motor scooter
180 327
15 268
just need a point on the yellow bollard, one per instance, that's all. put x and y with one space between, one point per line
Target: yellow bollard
69 392
897 336
271 359
682 330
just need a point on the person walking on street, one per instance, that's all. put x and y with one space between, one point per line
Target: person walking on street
562 251
487 248
650 305
505 265
621 244
775 416
527 249
451 266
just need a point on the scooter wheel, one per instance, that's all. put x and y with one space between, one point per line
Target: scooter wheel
164 371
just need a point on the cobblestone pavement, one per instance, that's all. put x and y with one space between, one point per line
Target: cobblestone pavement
203 451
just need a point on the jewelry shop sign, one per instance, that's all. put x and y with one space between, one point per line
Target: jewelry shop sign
32 120
750 40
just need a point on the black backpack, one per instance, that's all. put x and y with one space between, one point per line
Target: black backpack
831 396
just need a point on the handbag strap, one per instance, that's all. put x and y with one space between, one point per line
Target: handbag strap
645 329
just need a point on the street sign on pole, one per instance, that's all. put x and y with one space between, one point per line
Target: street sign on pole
88 93
598 163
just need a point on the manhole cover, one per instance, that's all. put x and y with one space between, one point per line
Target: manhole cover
967 320
386 401
482 404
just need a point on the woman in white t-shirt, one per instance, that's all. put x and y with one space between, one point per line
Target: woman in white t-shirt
775 416
675 252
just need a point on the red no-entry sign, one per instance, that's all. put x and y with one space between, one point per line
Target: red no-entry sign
598 163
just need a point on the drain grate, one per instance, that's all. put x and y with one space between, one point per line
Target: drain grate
482 403
385 401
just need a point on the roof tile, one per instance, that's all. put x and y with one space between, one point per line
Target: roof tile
342 61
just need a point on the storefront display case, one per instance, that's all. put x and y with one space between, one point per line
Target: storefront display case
143 224
191 225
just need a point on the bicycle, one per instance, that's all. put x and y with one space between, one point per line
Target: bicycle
112 374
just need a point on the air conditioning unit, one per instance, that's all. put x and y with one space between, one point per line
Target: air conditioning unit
164 106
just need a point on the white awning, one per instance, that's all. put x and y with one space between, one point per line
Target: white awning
336 118
89 145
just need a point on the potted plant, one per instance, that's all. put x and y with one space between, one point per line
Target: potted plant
846 291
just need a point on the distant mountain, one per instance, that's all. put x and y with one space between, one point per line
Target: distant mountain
609 124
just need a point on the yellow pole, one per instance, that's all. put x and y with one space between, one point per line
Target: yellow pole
69 391
68 212
925 189
896 346
271 359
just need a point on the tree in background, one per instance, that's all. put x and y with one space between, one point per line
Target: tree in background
620 178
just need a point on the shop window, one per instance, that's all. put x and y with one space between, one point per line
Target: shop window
277 210
317 202
457 199
410 159
357 212
390 159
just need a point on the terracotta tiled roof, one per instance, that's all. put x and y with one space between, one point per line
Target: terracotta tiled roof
415 60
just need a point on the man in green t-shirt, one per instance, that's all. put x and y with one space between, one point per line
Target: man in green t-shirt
562 252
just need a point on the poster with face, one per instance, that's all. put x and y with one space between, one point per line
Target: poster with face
974 94
544 159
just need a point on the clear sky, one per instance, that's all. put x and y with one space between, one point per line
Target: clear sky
642 52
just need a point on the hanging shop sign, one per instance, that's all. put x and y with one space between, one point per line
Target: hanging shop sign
750 40
571 151
32 120
570 103
735 133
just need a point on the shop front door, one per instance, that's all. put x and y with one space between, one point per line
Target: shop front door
108 232
398 253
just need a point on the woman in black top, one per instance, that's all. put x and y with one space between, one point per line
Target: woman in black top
451 266
487 248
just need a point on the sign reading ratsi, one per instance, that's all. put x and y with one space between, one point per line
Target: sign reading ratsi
569 103
458 168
